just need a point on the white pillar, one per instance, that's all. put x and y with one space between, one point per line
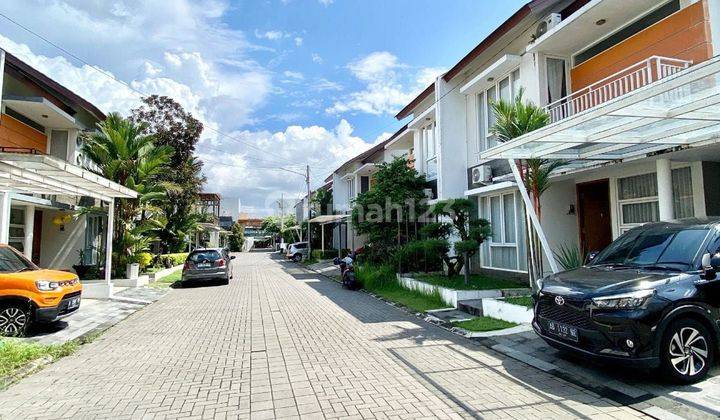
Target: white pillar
109 240
29 230
4 217
322 238
665 192
530 210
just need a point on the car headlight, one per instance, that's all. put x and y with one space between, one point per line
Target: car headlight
623 301
47 286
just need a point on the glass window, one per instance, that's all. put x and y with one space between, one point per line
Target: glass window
482 119
12 262
639 186
504 88
515 76
556 79
658 245
634 213
682 193
495 219
490 97
509 218
204 256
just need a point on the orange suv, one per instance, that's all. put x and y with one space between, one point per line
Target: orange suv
29 294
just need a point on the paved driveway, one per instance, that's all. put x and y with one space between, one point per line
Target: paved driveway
279 342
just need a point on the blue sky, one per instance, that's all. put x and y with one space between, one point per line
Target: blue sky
277 83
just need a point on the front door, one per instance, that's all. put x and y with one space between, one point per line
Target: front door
594 215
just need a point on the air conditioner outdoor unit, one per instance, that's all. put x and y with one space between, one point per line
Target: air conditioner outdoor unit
481 175
548 22
428 193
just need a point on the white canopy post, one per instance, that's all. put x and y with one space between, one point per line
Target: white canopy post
108 241
530 209
4 217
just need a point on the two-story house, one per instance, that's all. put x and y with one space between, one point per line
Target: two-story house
630 88
42 183
356 176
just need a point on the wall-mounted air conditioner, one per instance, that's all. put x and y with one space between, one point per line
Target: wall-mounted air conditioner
548 22
481 174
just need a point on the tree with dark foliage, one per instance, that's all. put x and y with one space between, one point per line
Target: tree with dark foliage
171 125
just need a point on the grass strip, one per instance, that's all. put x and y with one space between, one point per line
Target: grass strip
477 282
525 301
382 281
484 323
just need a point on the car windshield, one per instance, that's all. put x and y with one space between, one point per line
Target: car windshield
12 262
202 256
661 247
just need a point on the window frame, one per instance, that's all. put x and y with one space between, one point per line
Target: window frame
491 243
483 109
624 227
430 127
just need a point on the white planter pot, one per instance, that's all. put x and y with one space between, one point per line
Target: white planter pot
449 296
497 308
132 271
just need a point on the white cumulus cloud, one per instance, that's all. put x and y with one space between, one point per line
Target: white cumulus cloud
388 85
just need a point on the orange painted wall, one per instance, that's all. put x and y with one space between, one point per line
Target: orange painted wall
13 133
684 35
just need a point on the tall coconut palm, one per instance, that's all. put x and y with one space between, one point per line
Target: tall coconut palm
514 119
120 152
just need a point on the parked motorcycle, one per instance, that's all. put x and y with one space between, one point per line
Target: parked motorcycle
347 272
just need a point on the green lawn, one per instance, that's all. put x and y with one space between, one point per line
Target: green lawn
484 323
382 281
414 300
14 354
477 282
167 280
520 300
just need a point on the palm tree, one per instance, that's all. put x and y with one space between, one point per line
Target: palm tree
120 152
514 119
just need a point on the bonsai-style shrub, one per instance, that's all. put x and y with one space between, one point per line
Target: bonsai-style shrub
471 232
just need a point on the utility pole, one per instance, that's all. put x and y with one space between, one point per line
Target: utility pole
309 213
282 217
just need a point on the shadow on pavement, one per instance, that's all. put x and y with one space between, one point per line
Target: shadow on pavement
414 342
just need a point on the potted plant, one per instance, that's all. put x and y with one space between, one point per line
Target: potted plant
83 270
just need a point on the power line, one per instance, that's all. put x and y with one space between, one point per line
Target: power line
112 77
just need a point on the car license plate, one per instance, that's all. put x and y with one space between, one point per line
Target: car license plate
204 265
563 330
73 303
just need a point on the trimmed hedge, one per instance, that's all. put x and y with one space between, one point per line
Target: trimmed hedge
421 256
329 254
170 260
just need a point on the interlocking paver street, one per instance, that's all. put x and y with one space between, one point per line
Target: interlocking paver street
279 342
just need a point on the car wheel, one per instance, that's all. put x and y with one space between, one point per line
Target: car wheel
686 351
14 319
297 258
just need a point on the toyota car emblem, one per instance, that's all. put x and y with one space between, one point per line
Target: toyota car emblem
559 300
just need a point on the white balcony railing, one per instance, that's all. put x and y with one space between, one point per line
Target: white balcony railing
613 86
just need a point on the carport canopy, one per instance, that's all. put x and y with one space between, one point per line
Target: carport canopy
676 112
34 173
325 220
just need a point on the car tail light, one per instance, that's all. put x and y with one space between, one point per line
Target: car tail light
221 263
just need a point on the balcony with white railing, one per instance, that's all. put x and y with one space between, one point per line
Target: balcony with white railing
625 81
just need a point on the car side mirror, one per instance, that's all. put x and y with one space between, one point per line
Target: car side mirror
710 265
591 256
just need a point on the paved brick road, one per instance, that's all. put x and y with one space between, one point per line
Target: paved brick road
279 342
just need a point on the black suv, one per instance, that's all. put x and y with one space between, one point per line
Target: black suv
650 299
